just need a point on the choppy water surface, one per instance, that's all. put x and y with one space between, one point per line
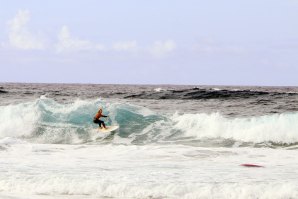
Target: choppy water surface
173 141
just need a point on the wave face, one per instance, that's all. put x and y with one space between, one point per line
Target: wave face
47 121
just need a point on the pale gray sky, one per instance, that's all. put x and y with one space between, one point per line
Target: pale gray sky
212 42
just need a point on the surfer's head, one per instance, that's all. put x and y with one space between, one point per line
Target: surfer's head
100 109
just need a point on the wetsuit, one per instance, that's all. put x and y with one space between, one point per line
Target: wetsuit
98 121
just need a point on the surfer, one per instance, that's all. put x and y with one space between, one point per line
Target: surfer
98 121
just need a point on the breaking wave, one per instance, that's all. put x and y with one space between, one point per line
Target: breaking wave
47 121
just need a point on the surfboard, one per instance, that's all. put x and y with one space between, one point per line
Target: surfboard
108 129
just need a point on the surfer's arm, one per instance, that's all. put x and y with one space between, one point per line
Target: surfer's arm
104 116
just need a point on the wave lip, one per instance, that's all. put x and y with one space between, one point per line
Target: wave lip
18 120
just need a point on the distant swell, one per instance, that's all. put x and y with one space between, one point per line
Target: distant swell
147 92
200 93
47 121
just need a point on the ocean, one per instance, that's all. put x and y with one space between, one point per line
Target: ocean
173 141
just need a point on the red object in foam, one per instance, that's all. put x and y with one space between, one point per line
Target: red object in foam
251 165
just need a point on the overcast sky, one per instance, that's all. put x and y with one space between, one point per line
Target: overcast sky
214 42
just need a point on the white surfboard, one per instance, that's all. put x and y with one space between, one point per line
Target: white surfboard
102 134
108 129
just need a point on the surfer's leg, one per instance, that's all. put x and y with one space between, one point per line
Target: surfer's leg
101 124
104 125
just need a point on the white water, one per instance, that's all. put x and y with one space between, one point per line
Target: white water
125 171
278 128
144 159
